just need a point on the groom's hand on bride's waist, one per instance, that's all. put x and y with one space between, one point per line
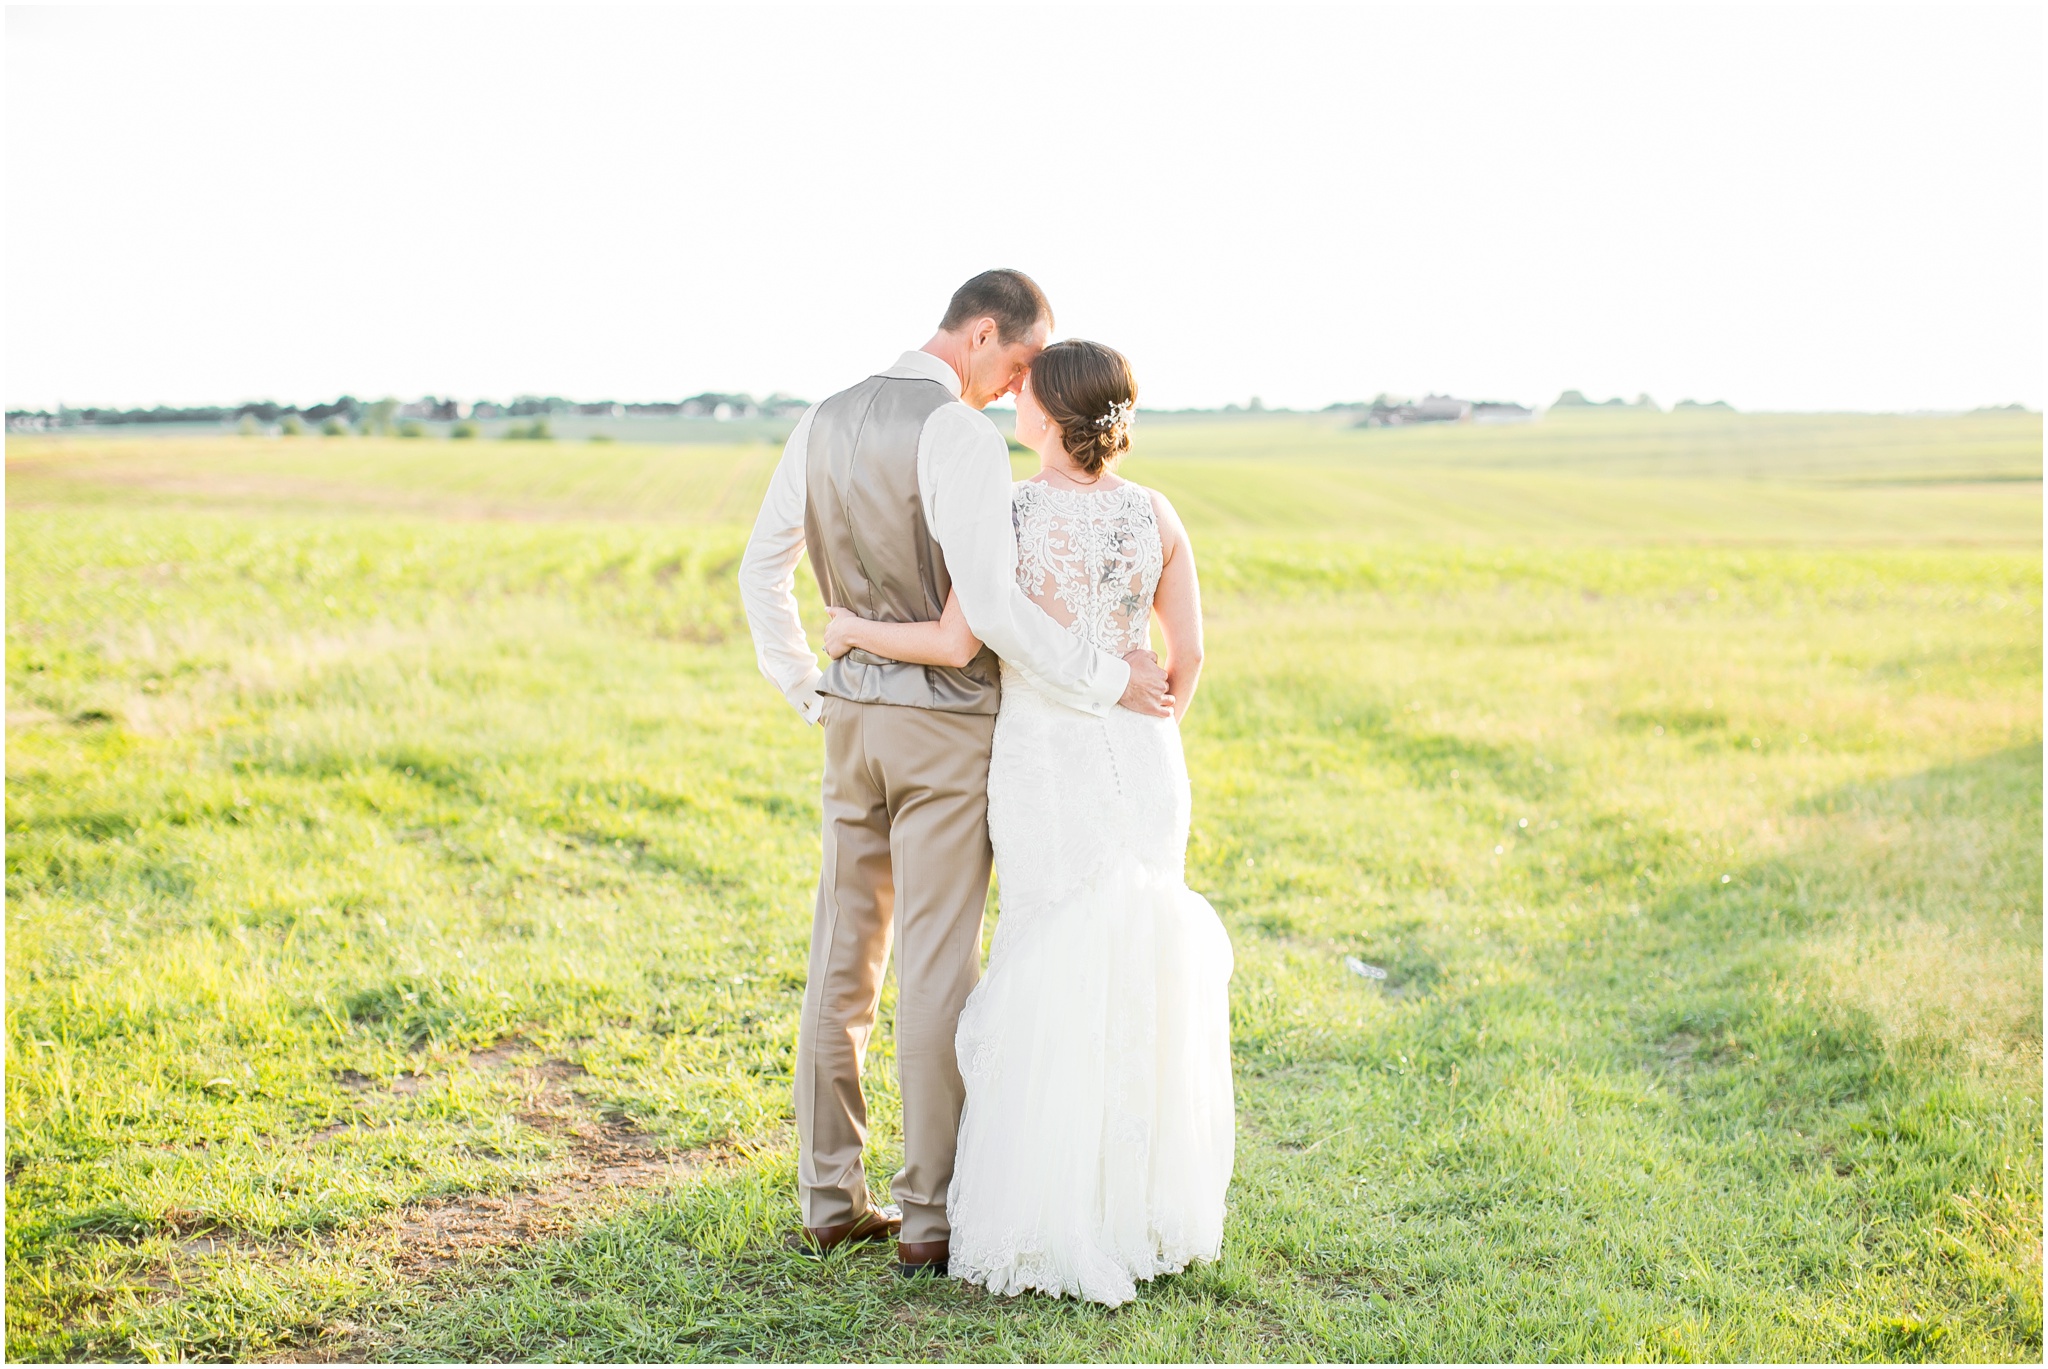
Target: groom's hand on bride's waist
1146 692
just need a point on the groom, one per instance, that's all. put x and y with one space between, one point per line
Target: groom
899 488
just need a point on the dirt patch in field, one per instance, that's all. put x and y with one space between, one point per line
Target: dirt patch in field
341 1350
506 1054
607 1154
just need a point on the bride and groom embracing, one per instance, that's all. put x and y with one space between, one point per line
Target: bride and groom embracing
1067 1119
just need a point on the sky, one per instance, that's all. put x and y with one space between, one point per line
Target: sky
1786 208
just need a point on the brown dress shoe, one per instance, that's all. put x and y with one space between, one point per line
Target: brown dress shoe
876 1224
921 1257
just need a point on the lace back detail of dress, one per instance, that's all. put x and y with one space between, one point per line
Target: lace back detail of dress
1091 559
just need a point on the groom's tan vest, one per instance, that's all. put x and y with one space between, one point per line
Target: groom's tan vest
865 530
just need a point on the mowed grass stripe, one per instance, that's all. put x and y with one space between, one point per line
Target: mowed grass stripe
1936 496
1681 445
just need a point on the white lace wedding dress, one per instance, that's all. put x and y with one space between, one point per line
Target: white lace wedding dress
1097 1138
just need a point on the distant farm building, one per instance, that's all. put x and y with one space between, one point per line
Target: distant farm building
1392 413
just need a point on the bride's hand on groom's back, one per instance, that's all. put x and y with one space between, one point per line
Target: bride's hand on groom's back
839 631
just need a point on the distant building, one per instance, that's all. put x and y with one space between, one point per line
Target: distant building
1393 413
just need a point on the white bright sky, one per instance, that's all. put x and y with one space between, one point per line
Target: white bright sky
1797 209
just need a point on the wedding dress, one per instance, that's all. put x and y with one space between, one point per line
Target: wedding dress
1096 1141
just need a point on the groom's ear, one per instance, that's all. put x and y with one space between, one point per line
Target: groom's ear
985 332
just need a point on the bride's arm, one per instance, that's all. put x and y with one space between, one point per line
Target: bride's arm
946 642
1178 604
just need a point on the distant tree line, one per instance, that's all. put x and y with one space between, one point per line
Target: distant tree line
347 408
1572 399
385 415
710 404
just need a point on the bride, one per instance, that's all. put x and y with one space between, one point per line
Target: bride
1096 1140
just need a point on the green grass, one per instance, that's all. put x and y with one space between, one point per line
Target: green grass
334 765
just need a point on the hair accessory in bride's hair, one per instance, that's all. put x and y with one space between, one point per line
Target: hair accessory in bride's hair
1119 412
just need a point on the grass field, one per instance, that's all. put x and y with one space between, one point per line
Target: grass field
408 884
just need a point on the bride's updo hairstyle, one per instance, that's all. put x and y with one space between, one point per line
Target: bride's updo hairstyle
1089 391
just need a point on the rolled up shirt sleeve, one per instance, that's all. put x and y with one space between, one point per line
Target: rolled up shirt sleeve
768 581
964 471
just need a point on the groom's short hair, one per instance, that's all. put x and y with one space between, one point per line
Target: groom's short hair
1011 298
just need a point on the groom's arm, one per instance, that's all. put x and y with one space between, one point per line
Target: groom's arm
768 580
964 468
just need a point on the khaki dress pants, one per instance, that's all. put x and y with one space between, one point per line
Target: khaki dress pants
906 859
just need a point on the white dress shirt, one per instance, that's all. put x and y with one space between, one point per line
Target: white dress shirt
963 478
